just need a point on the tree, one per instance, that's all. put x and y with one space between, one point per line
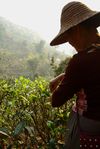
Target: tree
58 69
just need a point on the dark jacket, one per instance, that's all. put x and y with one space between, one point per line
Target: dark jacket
83 71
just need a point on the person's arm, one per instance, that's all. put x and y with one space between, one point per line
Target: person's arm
68 86
55 82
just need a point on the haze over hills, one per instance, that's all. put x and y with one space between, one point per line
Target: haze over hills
23 52
15 34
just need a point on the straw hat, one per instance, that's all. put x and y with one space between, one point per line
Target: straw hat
73 14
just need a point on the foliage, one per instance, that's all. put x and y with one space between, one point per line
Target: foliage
24 53
59 68
27 119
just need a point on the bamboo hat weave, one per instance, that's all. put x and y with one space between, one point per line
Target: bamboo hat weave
73 14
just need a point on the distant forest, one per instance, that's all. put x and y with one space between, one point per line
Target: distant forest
24 53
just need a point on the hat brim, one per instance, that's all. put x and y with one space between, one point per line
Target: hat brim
62 36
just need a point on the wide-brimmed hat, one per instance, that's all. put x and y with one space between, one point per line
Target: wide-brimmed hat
73 14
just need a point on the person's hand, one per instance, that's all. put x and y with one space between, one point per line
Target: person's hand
81 104
55 82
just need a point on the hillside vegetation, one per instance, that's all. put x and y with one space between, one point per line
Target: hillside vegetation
27 63
23 52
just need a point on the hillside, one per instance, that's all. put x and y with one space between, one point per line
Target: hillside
23 52
14 37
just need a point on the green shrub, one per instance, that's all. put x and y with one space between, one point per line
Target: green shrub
27 118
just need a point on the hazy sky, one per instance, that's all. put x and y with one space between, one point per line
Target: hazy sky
42 16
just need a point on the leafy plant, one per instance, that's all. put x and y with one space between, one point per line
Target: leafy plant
27 118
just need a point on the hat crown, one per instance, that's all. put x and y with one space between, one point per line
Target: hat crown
73 13
73 5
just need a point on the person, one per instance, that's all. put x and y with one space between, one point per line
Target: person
82 76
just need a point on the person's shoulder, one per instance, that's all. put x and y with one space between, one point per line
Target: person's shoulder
74 60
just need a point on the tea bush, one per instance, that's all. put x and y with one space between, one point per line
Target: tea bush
27 119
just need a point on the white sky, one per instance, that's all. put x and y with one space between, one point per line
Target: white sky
42 16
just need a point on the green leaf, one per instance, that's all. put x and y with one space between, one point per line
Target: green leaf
19 128
5 130
52 144
50 124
